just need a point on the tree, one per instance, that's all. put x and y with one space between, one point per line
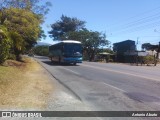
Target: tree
4 44
22 18
65 25
91 41
149 46
31 5
73 29
24 28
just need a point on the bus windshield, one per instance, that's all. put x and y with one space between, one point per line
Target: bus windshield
71 49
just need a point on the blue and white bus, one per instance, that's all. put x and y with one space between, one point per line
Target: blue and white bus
67 51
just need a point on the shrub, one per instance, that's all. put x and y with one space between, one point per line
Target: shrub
148 59
41 50
4 46
12 56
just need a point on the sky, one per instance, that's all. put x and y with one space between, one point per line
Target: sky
120 20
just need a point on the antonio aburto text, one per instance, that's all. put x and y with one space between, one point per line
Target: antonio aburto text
145 115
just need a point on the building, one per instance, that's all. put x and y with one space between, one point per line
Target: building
121 48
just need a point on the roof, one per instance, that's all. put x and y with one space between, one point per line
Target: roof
126 41
70 41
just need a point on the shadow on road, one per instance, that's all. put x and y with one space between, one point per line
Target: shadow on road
141 97
58 64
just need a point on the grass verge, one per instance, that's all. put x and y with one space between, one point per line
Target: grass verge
24 85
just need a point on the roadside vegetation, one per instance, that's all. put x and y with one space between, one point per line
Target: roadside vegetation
24 85
20 28
41 50
155 58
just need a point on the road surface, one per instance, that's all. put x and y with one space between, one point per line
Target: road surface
109 87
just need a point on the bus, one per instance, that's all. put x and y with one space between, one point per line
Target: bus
67 51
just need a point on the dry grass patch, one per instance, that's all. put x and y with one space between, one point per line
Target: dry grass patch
24 85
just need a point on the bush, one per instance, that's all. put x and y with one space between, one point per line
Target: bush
41 50
4 50
148 60
12 56
4 46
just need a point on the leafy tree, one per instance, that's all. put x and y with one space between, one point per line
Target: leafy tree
149 46
22 18
65 25
18 44
91 41
4 44
31 5
24 28
73 29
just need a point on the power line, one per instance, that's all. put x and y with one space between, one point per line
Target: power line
143 13
144 20
139 28
139 22
150 21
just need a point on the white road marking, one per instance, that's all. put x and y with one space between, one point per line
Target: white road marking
115 87
70 70
155 103
123 73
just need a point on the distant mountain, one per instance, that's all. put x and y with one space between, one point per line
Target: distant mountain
42 44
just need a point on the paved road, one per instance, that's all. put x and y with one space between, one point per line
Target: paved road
110 87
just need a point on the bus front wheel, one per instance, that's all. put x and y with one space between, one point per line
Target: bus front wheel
59 60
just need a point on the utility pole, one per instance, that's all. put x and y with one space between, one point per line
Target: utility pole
137 43
157 56
137 51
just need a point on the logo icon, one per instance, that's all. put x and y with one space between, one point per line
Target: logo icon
6 114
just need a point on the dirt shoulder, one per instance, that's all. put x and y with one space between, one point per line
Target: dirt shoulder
24 85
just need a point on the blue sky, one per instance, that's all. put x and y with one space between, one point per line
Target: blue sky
119 19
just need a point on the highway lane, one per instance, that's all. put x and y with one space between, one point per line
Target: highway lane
110 86
141 86
143 71
137 87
